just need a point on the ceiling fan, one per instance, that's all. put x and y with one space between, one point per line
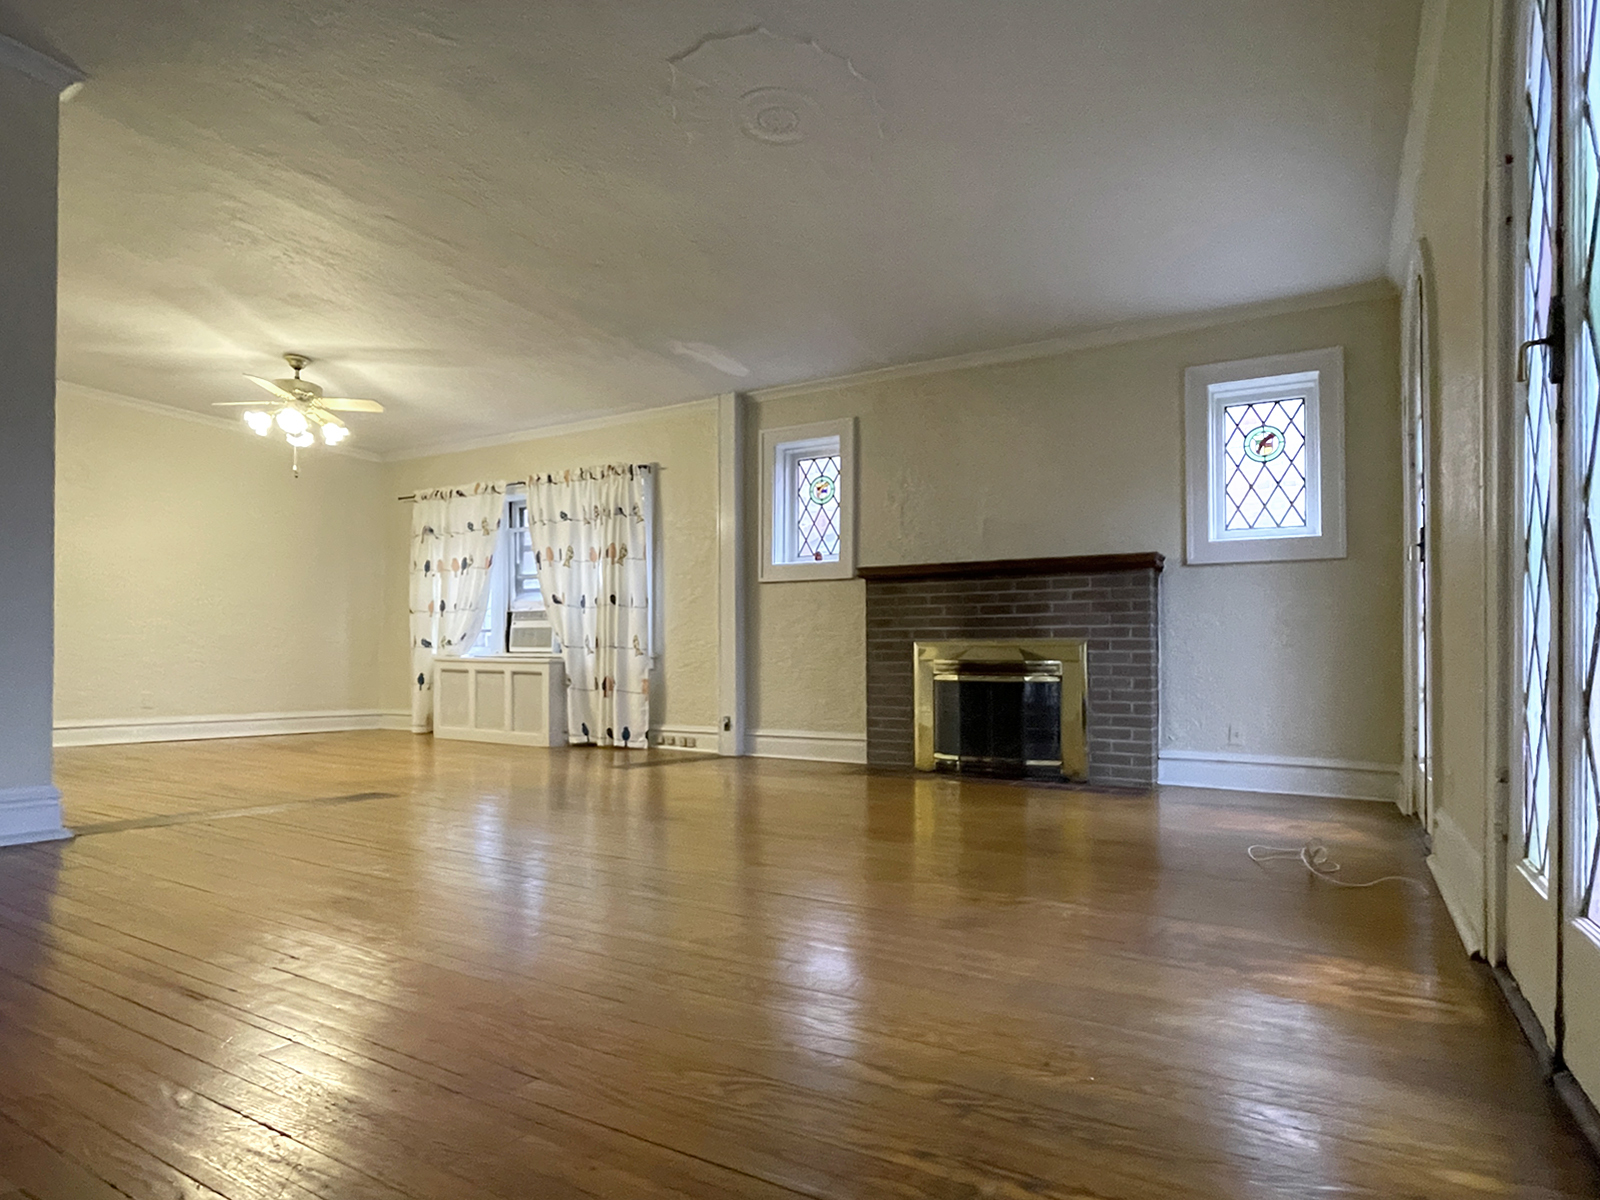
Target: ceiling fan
299 409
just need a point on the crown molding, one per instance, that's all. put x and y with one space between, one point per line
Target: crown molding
1090 339
194 418
35 64
1109 335
557 429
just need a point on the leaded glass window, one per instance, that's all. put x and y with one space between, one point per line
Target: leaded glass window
1265 458
1583 380
816 508
1264 451
1537 659
807 519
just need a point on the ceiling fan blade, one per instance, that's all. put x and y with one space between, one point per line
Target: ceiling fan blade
270 386
346 404
236 404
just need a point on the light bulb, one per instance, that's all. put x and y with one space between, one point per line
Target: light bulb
301 440
259 422
334 434
292 421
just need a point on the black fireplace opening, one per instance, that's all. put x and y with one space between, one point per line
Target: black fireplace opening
997 718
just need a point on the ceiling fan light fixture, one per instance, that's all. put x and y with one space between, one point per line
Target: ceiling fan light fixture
293 422
299 410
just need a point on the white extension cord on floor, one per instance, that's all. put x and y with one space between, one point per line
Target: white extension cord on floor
1314 857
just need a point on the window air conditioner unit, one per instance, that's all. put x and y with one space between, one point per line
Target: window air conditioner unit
530 633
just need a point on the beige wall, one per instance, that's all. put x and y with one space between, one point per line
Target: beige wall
682 442
1082 453
196 577
1073 454
1451 153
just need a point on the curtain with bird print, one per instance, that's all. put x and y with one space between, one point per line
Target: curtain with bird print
454 532
591 532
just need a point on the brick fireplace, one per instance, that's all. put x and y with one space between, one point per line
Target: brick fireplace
1109 601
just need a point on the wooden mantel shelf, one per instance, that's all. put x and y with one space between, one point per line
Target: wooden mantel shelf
1083 564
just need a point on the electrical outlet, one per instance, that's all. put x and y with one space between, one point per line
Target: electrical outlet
147 700
1235 735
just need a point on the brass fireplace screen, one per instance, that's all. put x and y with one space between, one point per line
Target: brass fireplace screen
1007 707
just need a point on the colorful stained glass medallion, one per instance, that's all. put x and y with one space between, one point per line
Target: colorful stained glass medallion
1264 453
816 511
1263 444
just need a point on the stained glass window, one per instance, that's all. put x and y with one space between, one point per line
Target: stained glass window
1264 451
807 520
816 508
1264 443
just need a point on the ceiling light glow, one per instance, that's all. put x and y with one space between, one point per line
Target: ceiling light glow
292 421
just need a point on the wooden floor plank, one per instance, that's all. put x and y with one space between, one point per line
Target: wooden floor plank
596 974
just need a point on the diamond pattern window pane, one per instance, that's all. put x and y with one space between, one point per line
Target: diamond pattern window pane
816 509
1584 384
1538 461
1264 453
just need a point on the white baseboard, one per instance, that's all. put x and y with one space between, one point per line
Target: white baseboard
31 814
1331 777
809 744
678 737
1457 868
118 731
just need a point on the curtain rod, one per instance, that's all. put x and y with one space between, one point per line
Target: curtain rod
517 485
514 486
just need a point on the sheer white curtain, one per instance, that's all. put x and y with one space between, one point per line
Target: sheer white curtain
454 532
591 533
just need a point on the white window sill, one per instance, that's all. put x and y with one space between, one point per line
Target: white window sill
801 572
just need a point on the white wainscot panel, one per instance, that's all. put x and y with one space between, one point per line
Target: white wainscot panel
521 700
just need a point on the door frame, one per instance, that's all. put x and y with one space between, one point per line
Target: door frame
1502 475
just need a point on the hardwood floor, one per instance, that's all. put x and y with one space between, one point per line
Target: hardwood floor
474 971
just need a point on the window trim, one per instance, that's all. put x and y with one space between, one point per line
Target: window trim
1318 375
779 449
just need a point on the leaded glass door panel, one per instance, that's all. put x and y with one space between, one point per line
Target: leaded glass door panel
1553 884
1577 847
1531 912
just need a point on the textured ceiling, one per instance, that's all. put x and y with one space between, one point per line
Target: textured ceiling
506 214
